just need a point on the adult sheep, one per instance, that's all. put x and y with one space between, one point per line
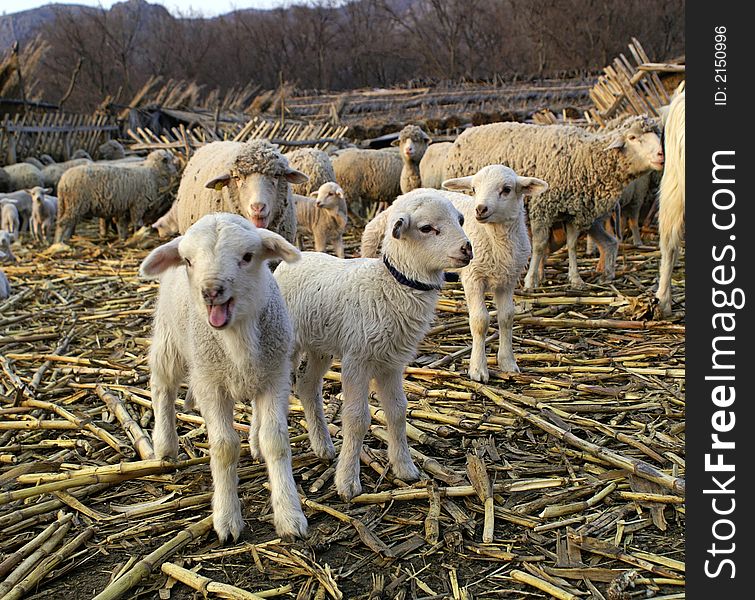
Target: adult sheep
432 167
368 176
52 173
112 192
315 164
250 178
23 176
586 171
412 143
671 200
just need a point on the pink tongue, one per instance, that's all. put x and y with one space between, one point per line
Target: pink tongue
259 221
218 314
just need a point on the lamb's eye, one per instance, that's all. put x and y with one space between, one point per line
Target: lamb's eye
427 229
247 257
187 261
461 219
506 189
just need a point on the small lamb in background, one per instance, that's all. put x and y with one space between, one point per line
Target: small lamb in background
6 253
220 321
9 220
44 211
323 216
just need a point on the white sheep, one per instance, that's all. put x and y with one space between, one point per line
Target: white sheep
23 176
412 143
220 321
368 176
323 216
432 167
111 191
167 225
372 314
5 289
9 220
44 211
494 220
251 179
315 164
671 200
586 173
6 252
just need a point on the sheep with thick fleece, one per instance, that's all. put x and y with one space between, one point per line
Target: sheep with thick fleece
9 220
221 322
494 220
586 173
44 211
250 178
412 143
368 176
432 167
372 314
167 225
315 164
671 200
112 191
23 176
323 216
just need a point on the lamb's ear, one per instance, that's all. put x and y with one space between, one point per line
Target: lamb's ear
294 176
340 193
531 186
460 184
48 190
161 258
400 225
276 246
219 182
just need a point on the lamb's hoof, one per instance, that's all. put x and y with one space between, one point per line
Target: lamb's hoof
480 375
606 278
348 489
228 527
291 525
166 450
577 284
324 450
406 471
507 365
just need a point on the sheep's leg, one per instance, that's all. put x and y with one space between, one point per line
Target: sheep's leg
609 247
165 378
633 220
339 246
309 392
321 241
479 320
272 407
355 419
121 225
540 236
572 235
390 391
669 252
504 301
64 231
217 411
254 434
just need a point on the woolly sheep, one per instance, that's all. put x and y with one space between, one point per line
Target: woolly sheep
21 199
371 313
368 176
44 211
5 290
167 225
220 321
251 179
52 173
6 252
586 172
494 221
35 162
323 216
110 191
9 220
671 200
111 150
23 176
79 154
433 165
412 143
315 164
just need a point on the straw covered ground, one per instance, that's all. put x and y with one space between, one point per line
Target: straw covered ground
565 481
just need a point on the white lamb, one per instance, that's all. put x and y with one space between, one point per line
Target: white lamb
323 216
44 211
6 252
372 314
220 321
494 220
671 200
9 220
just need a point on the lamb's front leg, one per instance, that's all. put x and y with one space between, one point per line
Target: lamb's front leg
355 419
540 237
217 410
504 301
272 410
338 243
572 235
479 320
390 391
609 247
166 373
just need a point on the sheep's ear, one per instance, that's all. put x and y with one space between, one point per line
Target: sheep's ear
48 190
618 142
219 182
276 246
460 184
531 186
395 142
400 225
294 176
161 259
314 194
340 194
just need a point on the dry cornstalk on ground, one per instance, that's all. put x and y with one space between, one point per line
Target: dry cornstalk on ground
564 481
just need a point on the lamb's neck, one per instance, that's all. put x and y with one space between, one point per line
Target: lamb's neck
404 269
410 178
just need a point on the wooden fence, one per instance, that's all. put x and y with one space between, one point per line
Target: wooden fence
57 134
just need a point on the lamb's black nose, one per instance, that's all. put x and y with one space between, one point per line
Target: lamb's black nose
481 210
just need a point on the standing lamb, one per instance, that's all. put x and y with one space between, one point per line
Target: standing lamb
111 191
44 211
21 199
6 252
432 167
251 179
586 173
368 176
671 200
323 216
315 164
23 176
220 321
412 143
9 220
371 313
494 220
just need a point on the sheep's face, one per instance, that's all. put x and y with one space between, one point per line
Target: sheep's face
225 261
165 226
425 229
642 148
413 146
38 194
329 196
498 191
164 161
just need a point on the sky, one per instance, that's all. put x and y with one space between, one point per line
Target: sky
208 8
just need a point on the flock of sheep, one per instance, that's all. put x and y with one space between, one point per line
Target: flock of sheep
240 307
